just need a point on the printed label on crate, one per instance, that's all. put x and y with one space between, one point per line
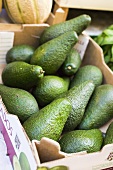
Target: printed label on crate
16 149
6 42
105 166
81 45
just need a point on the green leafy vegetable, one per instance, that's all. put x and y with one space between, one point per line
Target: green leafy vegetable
105 41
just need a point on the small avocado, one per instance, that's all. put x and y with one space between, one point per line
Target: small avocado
85 73
71 63
60 167
81 140
22 75
48 121
20 53
42 168
18 102
48 88
108 139
99 109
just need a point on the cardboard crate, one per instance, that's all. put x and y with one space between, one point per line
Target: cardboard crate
61 8
47 152
87 4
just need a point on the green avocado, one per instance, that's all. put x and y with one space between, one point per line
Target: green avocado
109 135
20 74
99 109
20 53
48 121
85 73
79 97
60 167
71 63
81 140
49 87
18 102
51 55
77 24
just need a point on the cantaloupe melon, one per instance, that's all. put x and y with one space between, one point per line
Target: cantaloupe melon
28 11
0 5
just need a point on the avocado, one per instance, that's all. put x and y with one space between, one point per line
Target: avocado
60 167
22 75
99 109
18 102
48 88
85 73
81 140
71 63
20 53
79 97
51 55
24 163
108 139
77 24
42 168
16 163
48 121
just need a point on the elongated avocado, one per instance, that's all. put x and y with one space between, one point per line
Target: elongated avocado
99 109
77 24
78 97
51 55
109 135
71 63
49 121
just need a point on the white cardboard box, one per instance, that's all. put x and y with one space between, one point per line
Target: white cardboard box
13 142
47 152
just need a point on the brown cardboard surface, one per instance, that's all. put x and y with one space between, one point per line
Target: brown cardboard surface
24 33
92 161
1 68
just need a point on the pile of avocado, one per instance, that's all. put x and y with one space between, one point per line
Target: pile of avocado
53 95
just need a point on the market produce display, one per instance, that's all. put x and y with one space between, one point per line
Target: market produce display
28 12
50 94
